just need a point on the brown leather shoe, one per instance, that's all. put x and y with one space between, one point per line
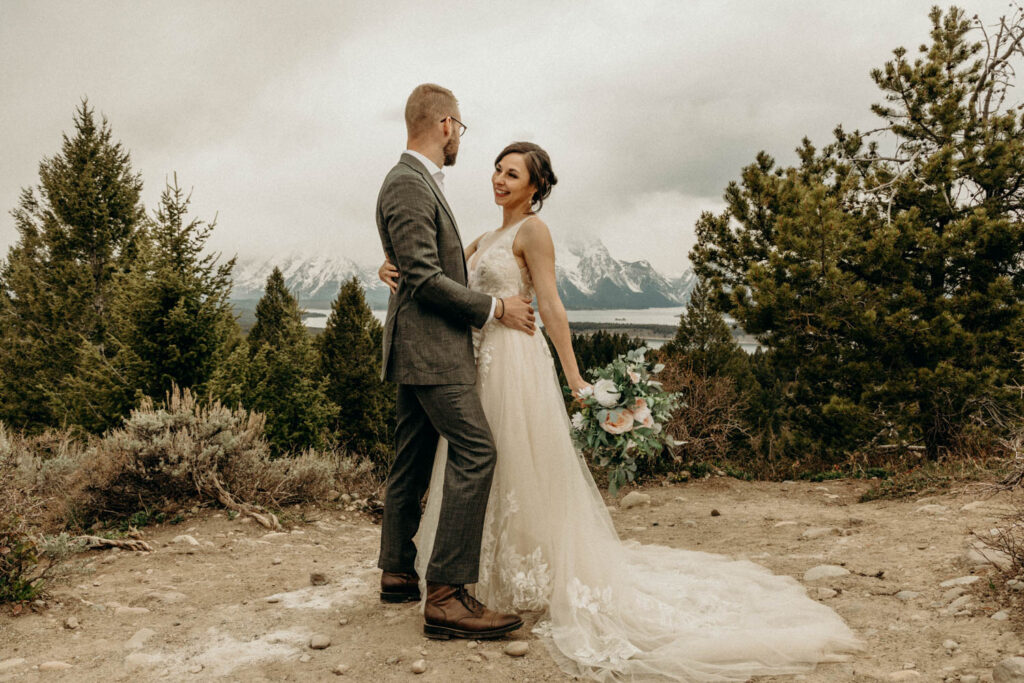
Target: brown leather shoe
399 587
451 612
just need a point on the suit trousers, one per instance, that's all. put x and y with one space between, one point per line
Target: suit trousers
426 412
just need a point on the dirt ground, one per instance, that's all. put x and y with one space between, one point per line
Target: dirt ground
239 606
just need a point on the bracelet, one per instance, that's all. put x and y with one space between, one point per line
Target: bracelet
499 317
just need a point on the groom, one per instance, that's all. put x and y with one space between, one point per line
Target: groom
428 352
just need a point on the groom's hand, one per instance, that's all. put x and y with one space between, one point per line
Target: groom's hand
518 314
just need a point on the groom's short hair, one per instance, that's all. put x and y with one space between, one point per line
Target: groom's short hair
427 105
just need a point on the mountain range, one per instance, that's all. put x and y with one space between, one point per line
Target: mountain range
588 277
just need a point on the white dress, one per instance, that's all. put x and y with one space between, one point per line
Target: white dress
611 610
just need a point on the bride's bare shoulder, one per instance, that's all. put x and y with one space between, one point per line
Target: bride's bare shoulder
534 231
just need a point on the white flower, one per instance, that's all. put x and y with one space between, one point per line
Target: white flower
606 393
634 376
577 421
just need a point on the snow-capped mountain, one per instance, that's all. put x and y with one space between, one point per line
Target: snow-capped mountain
588 277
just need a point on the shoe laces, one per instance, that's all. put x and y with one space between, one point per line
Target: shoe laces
470 603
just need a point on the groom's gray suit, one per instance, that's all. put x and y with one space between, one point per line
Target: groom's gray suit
428 352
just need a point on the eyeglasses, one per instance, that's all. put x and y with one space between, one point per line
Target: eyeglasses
462 126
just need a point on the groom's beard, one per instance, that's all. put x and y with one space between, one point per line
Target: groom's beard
451 150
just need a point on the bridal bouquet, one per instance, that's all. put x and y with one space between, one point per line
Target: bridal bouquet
622 418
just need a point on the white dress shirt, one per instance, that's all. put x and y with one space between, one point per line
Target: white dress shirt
438 174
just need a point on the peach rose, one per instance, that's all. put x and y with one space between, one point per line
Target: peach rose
634 376
616 421
642 414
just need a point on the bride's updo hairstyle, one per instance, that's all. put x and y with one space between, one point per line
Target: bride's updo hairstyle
538 165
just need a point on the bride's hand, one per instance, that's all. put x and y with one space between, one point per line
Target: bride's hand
580 387
388 274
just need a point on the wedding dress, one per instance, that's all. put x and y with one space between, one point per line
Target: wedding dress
611 610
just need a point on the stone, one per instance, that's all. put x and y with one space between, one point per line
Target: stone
186 539
276 560
968 678
71 623
634 499
391 660
950 644
476 659
1001 615
318 579
821 532
471 645
54 666
933 509
419 666
975 505
907 596
979 555
715 513
320 641
306 658
1010 670
1015 585
953 593
825 571
826 593
343 621
138 660
905 675
690 522
340 669
517 648
959 603
274 598
166 597
784 523
960 581
129 611
137 641
8 664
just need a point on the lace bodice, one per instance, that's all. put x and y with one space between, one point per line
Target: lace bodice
493 268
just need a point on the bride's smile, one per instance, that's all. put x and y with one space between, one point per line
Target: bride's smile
511 182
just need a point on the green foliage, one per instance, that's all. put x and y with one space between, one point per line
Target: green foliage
886 290
349 359
79 231
276 372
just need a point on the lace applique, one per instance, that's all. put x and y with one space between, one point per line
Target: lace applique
593 600
514 580
483 351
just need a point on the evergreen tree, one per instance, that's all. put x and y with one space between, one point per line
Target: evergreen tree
78 231
276 372
705 339
350 358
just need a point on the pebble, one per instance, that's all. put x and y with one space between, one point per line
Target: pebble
953 593
185 538
475 658
968 678
71 623
137 641
826 593
54 666
320 641
318 578
1015 585
12 663
907 595
933 509
129 611
274 598
715 513
690 522
979 555
976 505
517 648
960 581
340 669
821 531
633 499
419 666
784 523
825 571
343 621
471 645
306 658
1001 615
139 659
950 644
1010 670
276 560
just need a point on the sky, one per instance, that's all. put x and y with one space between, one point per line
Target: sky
284 117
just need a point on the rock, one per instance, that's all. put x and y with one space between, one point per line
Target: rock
471 645
932 509
129 611
821 531
185 538
391 660
1010 670
975 505
71 623
826 593
960 581
419 666
953 593
8 664
950 644
340 669
137 641
276 560
1015 585
715 513
137 660
905 675
825 571
958 604
54 666
784 523
1001 615
690 522
476 659
166 597
907 596
979 555
343 621
968 678
320 641
633 499
517 648
306 658
274 598
318 579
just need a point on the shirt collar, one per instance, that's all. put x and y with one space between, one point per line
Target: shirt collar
432 168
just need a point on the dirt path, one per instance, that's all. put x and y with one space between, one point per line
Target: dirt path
239 606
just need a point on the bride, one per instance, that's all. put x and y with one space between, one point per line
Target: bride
610 610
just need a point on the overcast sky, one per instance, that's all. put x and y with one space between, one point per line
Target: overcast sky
285 116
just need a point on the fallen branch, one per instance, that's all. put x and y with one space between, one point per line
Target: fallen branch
98 542
266 519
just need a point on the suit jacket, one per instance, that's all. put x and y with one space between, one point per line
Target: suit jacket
427 332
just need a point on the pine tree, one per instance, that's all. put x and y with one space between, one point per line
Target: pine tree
705 339
275 372
350 357
78 233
